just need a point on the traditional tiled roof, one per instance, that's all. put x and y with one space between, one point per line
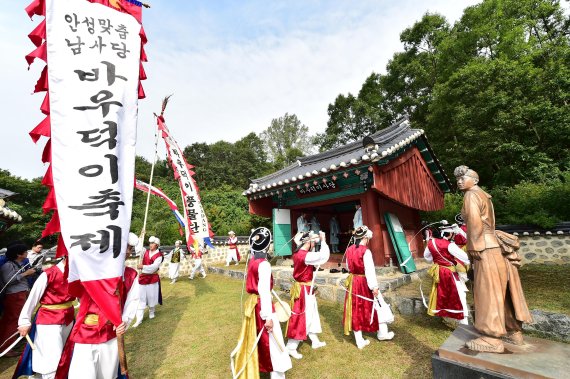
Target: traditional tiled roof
389 141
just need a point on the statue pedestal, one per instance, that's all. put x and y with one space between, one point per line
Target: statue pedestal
538 358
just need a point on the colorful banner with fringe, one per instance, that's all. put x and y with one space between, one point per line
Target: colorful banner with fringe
95 53
197 226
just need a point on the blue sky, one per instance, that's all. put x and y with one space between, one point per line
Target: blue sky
231 65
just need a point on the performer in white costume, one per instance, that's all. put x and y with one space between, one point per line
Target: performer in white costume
198 266
175 256
149 280
233 252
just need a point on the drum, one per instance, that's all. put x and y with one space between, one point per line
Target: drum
283 311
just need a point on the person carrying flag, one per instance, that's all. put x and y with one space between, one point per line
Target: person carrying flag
149 280
91 351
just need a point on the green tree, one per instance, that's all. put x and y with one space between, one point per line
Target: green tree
491 91
282 136
28 203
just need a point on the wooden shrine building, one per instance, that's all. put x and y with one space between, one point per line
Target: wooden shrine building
392 174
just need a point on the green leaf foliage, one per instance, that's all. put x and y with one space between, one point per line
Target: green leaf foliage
491 91
28 203
540 204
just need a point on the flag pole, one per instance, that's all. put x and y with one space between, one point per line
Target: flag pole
143 231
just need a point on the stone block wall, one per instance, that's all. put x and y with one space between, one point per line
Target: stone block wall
553 249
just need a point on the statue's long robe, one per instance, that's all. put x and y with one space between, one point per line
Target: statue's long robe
500 305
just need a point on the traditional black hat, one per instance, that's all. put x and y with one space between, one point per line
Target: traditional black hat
260 239
459 219
362 232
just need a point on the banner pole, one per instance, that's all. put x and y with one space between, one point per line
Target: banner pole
143 231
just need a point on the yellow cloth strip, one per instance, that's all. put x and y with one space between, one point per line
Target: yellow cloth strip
348 304
65 305
247 336
434 273
91 319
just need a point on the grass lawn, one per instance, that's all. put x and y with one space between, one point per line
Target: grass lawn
545 287
198 325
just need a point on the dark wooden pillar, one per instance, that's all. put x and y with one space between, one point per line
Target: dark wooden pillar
371 218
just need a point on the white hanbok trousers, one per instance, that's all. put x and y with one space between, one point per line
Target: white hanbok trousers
231 256
49 341
148 295
280 360
95 361
198 266
173 269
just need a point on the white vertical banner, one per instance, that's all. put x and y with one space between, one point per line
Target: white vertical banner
196 220
93 71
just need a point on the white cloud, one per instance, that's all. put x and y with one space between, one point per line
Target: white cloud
225 87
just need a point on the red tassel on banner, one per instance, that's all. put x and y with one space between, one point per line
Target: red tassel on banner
38 35
40 52
62 252
42 83
45 105
42 129
52 226
37 7
142 34
142 95
46 155
143 55
49 203
142 73
48 178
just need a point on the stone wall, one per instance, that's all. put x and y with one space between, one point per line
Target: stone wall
214 256
553 249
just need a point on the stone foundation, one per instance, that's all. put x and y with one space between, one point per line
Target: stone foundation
545 249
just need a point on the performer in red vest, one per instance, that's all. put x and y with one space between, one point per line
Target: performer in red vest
305 320
53 321
361 303
449 294
233 252
149 280
261 331
91 351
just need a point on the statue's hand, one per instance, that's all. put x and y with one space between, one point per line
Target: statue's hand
475 255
